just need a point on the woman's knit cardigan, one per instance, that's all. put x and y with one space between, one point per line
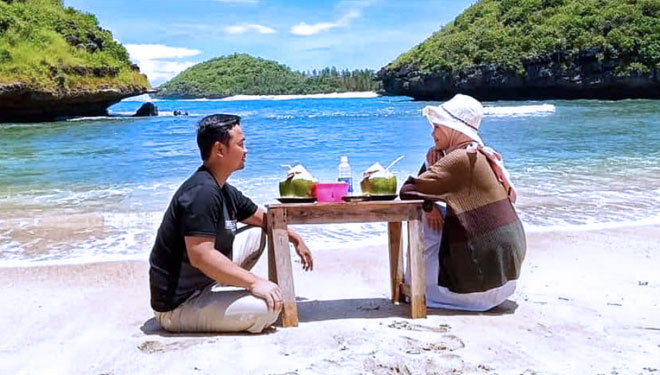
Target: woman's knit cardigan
483 241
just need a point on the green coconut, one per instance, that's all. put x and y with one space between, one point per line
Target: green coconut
298 183
378 181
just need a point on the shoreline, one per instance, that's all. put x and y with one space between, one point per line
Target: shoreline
585 304
320 243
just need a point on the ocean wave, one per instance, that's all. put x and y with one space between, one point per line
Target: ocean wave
144 98
160 114
114 116
81 259
77 237
135 244
332 114
128 115
129 236
524 110
41 200
592 225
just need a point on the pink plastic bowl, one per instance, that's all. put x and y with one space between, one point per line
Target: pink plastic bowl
331 191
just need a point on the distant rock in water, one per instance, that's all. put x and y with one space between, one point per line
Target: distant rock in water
74 68
180 113
522 49
146 110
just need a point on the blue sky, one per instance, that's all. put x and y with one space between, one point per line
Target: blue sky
166 36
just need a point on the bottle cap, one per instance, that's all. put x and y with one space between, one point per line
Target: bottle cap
344 159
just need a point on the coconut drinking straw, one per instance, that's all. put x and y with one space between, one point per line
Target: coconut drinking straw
394 162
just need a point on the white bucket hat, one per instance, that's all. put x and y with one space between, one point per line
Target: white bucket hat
462 113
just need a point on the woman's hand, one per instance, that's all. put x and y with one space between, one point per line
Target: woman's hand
433 155
434 219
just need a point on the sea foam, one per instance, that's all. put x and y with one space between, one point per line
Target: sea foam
144 98
524 110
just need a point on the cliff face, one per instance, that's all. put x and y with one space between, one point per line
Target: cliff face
56 62
22 103
536 49
542 79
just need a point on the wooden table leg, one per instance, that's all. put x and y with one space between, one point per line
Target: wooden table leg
396 259
417 270
279 264
272 267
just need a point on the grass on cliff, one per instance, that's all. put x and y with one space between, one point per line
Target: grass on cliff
241 74
34 48
509 32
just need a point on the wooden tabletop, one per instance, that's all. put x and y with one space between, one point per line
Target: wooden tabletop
349 212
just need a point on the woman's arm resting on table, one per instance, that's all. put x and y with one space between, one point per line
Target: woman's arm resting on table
430 185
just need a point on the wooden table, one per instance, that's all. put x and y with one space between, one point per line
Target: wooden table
392 212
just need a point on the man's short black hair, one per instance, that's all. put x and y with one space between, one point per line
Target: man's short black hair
214 128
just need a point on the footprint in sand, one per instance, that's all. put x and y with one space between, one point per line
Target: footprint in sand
442 364
156 346
401 324
446 343
393 367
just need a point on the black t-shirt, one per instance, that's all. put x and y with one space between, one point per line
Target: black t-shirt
199 208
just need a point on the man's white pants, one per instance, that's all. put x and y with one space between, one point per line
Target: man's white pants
219 308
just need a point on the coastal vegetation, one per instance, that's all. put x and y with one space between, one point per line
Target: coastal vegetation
531 40
242 74
51 47
51 54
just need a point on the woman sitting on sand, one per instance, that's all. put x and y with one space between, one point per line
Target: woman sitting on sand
477 261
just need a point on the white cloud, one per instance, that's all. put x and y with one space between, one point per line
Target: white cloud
240 29
160 72
158 61
350 15
304 29
158 51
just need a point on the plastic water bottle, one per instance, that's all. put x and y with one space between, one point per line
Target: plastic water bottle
344 173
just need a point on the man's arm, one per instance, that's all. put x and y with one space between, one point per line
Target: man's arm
202 254
259 219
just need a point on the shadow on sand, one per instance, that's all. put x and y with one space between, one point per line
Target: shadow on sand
365 308
377 308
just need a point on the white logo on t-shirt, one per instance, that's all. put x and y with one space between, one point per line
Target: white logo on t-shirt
230 225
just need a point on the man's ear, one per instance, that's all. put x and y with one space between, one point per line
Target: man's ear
219 148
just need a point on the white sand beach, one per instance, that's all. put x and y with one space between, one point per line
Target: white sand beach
587 303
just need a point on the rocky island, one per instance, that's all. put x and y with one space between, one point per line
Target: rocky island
242 74
56 62
536 49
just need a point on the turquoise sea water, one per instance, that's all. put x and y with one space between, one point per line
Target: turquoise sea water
96 188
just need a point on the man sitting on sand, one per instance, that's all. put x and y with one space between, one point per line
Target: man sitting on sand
197 255
473 262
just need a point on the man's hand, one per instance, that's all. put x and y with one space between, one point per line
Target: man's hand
269 292
305 256
435 220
